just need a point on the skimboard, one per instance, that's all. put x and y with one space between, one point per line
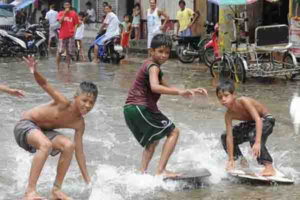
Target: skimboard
194 177
252 176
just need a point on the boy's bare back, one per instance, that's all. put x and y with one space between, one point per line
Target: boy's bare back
242 108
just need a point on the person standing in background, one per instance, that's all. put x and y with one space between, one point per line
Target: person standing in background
185 17
51 16
91 13
136 22
68 20
154 24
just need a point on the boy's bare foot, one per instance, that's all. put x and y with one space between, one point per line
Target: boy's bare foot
57 194
244 163
95 61
268 171
33 196
169 174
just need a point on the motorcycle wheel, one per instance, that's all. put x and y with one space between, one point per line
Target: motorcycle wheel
288 63
220 69
91 53
209 56
181 57
115 58
201 46
43 50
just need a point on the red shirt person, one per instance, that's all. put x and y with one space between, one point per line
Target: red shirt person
68 20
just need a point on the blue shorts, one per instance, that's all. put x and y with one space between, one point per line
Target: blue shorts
99 41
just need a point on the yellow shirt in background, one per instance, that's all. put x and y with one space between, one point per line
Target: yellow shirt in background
184 18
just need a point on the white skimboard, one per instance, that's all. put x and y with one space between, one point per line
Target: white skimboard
250 175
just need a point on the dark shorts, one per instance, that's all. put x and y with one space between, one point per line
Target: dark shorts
66 44
145 125
24 127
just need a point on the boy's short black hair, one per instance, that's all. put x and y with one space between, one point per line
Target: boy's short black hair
88 3
87 87
105 3
82 14
68 1
181 2
225 86
137 4
160 40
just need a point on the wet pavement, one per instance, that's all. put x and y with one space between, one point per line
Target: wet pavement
113 155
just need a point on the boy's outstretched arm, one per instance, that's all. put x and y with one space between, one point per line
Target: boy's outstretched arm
13 92
79 153
57 96
229 142
164 88
258 123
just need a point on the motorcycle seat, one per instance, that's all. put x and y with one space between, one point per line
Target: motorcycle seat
190 38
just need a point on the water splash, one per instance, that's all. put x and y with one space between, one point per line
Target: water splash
116 183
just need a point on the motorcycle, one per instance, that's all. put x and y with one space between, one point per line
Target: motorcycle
23 41
191 47
211 51
110 51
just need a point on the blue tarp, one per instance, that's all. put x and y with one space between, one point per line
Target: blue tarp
4 5
24 4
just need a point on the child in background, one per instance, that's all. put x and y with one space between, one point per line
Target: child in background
79 36
125 33
136 20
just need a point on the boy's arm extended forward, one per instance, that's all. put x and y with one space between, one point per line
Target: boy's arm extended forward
229 142
79 154
258 123
57 96
164 88
13 92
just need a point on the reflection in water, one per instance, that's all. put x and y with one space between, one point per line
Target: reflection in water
64 75
112 153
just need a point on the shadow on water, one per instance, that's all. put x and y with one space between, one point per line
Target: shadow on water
113 155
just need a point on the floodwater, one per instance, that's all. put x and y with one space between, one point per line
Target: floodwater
113 155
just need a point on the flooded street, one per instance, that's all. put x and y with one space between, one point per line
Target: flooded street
113 155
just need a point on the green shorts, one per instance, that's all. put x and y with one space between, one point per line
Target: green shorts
145 125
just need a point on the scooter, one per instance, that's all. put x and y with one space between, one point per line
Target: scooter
211 51
109 52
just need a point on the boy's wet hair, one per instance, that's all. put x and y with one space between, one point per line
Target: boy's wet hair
160 40
225 86
87 87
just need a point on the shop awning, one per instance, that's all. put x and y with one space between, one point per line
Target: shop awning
232 2
20 4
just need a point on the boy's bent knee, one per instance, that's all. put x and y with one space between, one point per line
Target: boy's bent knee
45 146
174 133
68 145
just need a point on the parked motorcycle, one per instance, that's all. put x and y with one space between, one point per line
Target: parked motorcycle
192 47
23 41
110 51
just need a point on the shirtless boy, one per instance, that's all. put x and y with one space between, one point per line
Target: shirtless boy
36 133
142 115
257 125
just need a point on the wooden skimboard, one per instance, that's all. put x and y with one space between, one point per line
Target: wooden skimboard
252 176
192 176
